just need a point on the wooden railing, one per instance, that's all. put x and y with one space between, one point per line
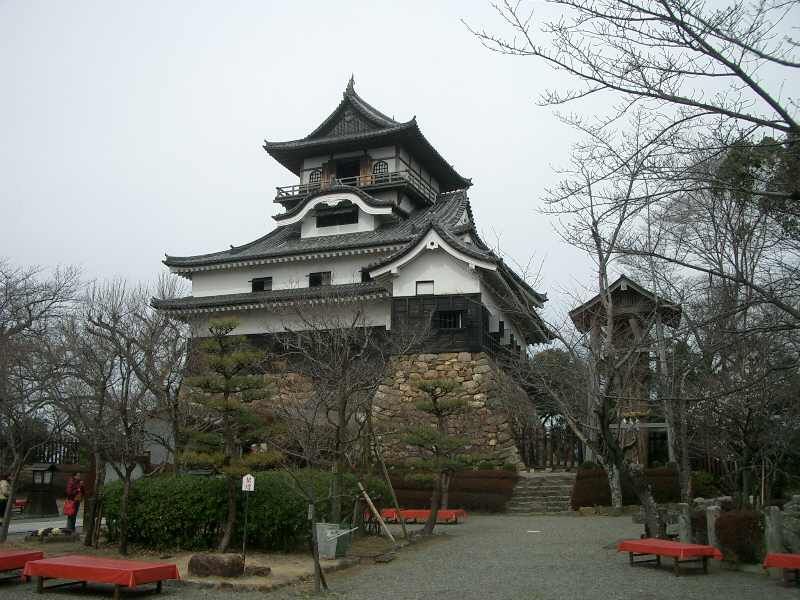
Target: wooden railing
390 179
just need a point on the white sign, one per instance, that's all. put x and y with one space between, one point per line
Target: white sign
248 483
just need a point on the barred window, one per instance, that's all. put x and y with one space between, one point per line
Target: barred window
314 176
261 284
449 319
319 279
381 167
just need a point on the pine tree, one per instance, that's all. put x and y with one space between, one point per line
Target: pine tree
440 453
229 382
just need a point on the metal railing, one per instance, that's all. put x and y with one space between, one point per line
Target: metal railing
373 181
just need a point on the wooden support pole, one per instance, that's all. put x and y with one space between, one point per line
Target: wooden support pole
376 513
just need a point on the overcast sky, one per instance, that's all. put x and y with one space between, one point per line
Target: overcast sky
131 129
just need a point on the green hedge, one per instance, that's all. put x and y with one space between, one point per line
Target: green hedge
591 487
188 511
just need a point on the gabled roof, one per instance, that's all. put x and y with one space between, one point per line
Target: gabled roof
669 311
355 123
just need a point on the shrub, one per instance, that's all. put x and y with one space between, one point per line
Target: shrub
187 511
741 536
591 487
705 484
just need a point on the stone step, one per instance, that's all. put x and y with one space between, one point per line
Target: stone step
537 505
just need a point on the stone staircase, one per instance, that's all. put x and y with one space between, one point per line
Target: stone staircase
542 492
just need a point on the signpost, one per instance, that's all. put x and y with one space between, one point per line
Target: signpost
248 485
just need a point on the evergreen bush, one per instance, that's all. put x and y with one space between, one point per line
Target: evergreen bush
741 536
187 511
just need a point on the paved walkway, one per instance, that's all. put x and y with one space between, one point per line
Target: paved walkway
23 526
511 558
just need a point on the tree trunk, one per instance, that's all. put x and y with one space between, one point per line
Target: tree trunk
652 520
319 577
93 504
435 498
336 492
392 493
123 514
230 522
615 485
445 490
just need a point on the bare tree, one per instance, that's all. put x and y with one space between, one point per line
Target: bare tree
31 303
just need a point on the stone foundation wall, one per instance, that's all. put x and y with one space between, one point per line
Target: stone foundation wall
483 390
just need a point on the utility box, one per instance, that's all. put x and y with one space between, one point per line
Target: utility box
333 541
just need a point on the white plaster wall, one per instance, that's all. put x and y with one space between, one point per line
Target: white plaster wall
308 227
450 275
376 313
496 315
344 269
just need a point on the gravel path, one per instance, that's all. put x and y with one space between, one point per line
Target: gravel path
505 558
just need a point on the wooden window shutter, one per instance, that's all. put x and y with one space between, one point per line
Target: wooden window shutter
365 170
328 172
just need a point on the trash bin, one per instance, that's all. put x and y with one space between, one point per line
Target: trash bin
333 540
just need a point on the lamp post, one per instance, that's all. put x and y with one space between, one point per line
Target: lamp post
42 495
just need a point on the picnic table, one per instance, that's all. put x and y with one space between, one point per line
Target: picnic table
680 552
788 562
91 569
414 515
12 561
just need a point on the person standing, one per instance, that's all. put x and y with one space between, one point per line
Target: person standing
5 492
75 493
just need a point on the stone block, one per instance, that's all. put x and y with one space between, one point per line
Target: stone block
587 511
464 356
257 570
218 565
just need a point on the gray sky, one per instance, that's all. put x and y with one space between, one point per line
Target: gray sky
131 129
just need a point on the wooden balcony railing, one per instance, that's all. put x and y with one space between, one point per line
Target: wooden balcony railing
383 180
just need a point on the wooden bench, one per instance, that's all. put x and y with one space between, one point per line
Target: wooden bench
13 561
790 563
91 569
19 505
679 552
413 515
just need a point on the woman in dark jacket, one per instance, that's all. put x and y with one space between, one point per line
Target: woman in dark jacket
75 492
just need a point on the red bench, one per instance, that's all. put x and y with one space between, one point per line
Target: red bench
19 505
680 553
788 562
12 561
449 516
91 569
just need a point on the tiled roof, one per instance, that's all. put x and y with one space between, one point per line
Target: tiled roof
286 240
368 198
348 292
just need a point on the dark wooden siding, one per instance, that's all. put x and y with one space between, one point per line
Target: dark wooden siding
418 314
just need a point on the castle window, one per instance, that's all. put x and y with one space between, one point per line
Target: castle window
319 279
424 287
501 328
329 218
380 168
261 284
449 319
315 176
365 276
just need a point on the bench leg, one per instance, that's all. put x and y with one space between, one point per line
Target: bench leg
158 587
116 592
705 565
677 568
40 585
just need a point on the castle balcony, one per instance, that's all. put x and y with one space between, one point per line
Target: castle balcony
406 180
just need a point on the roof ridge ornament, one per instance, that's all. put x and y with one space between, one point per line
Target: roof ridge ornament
351 85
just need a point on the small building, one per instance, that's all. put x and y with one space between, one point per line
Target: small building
634 313
376 216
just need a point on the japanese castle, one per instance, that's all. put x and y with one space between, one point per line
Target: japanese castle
376 215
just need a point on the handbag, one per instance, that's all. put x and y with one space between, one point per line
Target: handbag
70 508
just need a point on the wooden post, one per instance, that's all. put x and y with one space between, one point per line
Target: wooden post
376 513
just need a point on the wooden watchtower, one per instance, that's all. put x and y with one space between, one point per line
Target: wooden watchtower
636 314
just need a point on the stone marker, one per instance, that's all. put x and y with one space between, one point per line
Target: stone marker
219 565
712 514
774 529
791 524
684 523
257 571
